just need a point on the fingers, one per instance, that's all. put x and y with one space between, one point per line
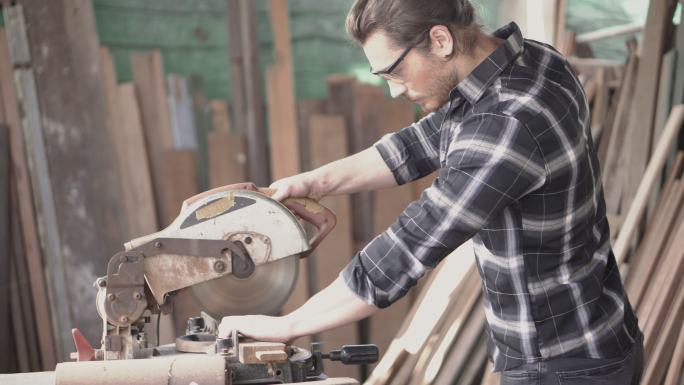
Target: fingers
280 194
283 190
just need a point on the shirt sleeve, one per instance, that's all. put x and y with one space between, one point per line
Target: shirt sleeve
492 161
413 152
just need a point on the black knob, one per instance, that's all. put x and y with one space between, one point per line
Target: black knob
195 325
354 354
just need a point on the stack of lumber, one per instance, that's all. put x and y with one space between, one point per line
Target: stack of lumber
89 164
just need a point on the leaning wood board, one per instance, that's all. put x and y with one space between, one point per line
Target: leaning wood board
648 179
424 316
283 125
642 113
388 204
28 226
77 188
148 76
328 139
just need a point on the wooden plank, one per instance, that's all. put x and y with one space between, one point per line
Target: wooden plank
649 178
356 102
652 247
132 154
181 114
642 113
601 145
5 247
559 37
227 158
328 138
306 108
245 74
471 373
613 172
678 86
220 116
18 327
605 33
461 306
388 204
664 103
664 341
181 183
203 123
600 105
490 377
26 210
671 277
284 135
148 76
281 98
23 289
67 123
125 129
453 364
674 371
424 317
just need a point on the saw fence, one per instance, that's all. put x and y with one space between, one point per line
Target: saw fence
88 162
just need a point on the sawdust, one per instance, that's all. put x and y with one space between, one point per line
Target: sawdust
309 204
216 208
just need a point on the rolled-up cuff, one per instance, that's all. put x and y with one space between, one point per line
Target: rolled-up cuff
355 276
396 165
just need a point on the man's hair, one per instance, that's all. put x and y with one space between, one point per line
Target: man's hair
406 22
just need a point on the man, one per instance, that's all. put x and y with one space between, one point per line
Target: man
508 132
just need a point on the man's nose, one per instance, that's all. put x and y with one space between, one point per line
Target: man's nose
396 89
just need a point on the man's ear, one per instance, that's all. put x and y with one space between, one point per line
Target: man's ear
441 41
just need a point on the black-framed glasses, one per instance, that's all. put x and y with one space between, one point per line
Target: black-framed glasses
388 70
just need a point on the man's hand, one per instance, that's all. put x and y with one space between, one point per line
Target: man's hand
298 186
259 327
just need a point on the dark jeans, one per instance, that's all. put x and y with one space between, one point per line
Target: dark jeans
625 370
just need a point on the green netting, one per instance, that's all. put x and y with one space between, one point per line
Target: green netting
193 38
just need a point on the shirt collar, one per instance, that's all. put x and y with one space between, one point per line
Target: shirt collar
474 85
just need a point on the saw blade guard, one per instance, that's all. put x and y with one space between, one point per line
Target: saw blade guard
269 232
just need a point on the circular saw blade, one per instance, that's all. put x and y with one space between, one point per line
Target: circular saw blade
264 292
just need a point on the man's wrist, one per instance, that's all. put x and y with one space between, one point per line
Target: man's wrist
321 182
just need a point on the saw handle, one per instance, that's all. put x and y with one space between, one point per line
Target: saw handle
306 208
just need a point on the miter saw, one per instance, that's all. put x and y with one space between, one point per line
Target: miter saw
237 250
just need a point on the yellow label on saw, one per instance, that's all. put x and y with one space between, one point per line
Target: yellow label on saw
216 208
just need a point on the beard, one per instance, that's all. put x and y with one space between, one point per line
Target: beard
439 86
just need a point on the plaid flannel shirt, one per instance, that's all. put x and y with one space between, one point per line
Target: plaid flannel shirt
518 174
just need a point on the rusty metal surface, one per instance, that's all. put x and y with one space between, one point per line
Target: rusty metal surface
125 297
176 370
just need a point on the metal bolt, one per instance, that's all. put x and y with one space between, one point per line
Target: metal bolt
111 296
158 245
101 282
124 319
248 240
219 266
137 295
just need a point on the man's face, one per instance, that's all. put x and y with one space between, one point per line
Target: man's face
422 77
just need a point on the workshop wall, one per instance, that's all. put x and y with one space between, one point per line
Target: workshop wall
193 36
193 39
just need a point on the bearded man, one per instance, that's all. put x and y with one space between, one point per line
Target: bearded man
508 132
